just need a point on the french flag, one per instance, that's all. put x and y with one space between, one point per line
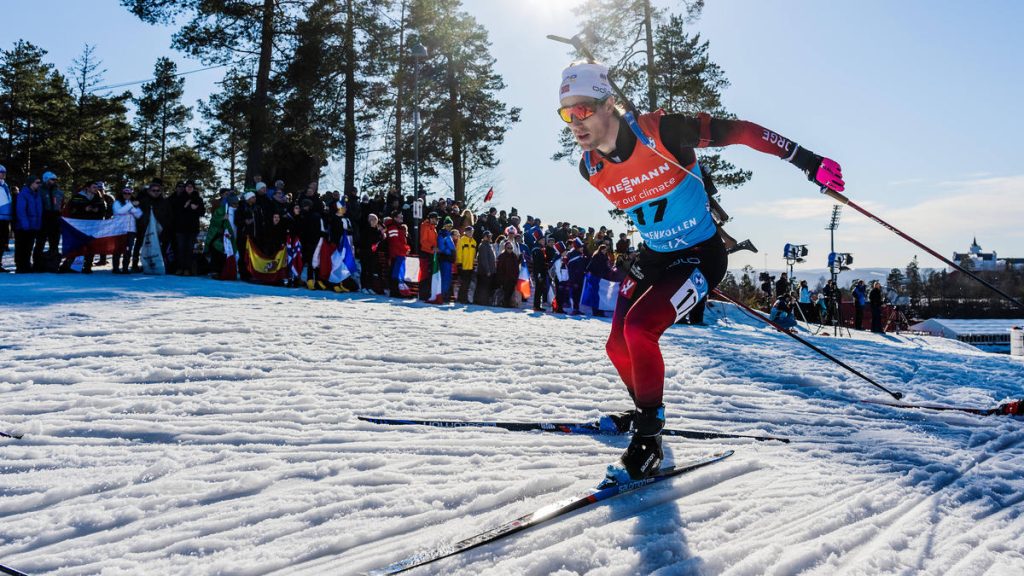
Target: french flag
523 285
94 236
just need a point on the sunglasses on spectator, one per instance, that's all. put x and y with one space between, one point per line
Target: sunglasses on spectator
580 111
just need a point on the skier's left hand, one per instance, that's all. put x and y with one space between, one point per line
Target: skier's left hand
829 175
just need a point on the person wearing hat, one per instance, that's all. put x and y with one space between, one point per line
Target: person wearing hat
6 215
53 205
486 268
541 259
28 226
465 251
223 228
127 207
445 258
398 250
428 245
187 208
108 212
156 211
647 167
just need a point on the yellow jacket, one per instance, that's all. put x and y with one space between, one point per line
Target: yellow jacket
465 253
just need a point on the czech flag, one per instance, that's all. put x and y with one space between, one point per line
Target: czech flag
267 270
490 194
94 236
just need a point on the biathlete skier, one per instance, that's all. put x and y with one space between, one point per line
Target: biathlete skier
646 166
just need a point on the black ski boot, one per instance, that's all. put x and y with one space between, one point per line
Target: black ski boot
745 245
643 456
617 423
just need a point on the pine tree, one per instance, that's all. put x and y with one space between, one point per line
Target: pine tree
35 109
227 32
915 286
227 131
162 118
464 127
100 139
895 280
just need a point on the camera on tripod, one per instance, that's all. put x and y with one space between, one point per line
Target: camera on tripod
766 277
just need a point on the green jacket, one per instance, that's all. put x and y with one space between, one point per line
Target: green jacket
220 221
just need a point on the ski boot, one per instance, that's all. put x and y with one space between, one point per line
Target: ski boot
617 423
643 457
745 245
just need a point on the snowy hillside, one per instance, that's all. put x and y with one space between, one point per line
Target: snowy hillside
185 426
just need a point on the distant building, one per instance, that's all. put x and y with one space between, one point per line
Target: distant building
991 335
985 261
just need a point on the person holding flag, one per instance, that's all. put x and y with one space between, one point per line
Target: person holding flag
646 166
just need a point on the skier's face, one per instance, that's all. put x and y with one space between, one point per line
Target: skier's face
591 121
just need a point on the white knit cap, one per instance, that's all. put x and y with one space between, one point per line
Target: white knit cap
584 79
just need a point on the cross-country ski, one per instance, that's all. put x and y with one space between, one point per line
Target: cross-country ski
545 514
582 428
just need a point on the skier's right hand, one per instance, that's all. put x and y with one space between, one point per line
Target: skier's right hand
828 174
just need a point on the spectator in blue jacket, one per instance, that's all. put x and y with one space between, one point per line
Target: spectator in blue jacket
446 256
860 299
28 226
53 206
576 263
599 268
782 312
6 213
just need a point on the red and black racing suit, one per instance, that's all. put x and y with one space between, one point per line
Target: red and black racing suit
662 192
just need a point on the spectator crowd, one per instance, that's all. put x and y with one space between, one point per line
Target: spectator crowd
492 257
790 301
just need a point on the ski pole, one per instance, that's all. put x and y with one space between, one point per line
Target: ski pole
839 197
720 294
11 571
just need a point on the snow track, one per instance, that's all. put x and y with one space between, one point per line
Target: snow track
184 426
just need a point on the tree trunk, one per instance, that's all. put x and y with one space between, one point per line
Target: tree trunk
163 142
458 175
233 151
652 90
350 100
258 115
399 102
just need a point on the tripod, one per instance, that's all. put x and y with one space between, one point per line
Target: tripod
795 288
896 318
835 311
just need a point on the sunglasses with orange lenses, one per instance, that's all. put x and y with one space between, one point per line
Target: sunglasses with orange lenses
580 111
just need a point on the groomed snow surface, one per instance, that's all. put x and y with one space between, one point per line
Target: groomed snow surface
187 426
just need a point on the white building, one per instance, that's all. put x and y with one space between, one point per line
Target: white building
985 261
990 335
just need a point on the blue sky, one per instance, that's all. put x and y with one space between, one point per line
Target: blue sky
920 101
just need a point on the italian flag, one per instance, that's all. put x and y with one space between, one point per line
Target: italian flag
435 281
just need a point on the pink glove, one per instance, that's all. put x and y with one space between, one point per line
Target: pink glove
829 175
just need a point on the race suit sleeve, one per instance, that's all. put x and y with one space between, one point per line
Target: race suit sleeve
681 132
